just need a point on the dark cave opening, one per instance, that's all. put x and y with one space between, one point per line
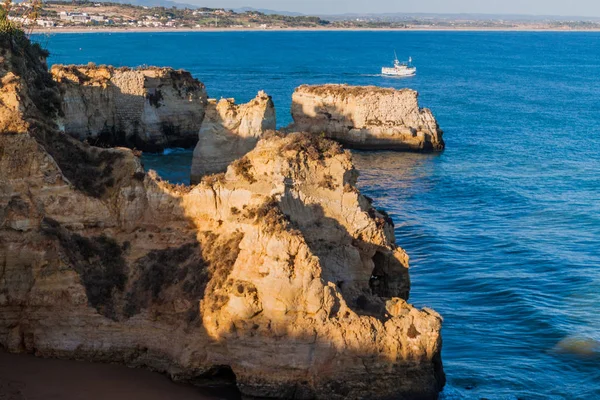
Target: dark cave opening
378 282
218 377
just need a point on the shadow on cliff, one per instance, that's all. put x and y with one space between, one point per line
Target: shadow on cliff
144 269
318 118
156 271
120 124
136 138
229 131
218 146
365 273
157 267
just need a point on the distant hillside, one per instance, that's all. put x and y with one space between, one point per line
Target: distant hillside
93 14
384 17
457 17
268 12
169 4
147 3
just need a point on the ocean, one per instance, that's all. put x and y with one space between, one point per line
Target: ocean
503 227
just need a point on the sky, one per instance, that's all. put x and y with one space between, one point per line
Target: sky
585 8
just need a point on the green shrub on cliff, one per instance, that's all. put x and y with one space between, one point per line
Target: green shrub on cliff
12 33
8 28
27 60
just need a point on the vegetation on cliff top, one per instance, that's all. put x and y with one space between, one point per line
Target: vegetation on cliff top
13 28
316 147
28 60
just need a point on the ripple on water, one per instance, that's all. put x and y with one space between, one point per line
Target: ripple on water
503 228
504 261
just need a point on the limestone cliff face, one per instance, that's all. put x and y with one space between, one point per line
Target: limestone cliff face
278 271
366 117
149 109
229 131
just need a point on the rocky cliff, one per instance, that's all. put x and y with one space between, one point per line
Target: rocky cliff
278 274
146 108
366 117
229 131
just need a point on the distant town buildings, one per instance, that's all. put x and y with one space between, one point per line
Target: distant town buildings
81 18
46 23
21 20
87 14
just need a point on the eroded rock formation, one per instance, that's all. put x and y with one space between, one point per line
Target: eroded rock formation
146 108
366 117
229 131
278 271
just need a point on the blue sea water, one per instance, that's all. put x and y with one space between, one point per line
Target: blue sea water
503 228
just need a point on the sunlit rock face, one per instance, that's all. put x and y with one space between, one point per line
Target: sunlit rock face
278 271
146 108
230 131
366 117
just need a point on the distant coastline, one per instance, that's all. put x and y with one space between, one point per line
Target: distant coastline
304 29
58 16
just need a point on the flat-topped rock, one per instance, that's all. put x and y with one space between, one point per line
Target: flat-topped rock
147 108
366 117
229 131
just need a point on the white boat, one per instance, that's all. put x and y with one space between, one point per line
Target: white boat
400 68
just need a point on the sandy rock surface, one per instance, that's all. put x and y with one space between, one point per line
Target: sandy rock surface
229 131
146 108
366 117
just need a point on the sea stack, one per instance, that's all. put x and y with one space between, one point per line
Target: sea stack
147 108
229 131
278 274
366 117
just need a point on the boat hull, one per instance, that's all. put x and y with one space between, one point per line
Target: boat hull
399 72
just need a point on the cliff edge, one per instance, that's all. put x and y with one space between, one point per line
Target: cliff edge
277 275
229 131
145 108
366 117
